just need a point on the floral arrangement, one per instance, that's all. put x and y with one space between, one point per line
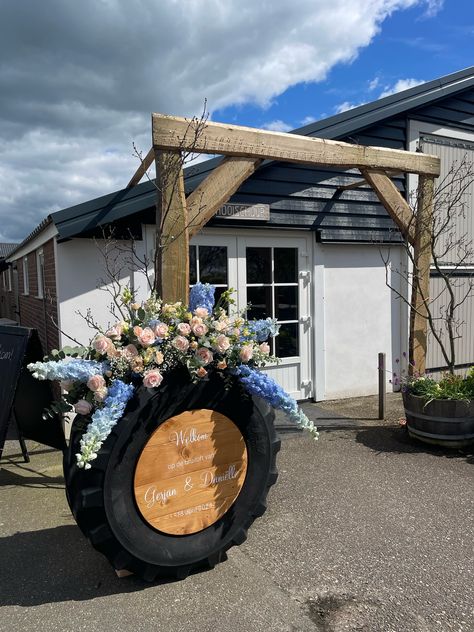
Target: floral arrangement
156 337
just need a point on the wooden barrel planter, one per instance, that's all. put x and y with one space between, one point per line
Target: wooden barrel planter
444 422
179 480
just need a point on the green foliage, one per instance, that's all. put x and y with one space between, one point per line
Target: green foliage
448 387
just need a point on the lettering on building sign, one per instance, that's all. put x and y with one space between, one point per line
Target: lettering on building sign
259 212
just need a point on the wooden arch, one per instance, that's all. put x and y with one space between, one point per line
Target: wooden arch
245 148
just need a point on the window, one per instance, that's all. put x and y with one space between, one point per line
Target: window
208 264
272 290
9 279
26 281
40 272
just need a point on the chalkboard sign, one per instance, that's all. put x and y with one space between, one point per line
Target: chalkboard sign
20 393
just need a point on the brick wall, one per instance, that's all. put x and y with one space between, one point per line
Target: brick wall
37 312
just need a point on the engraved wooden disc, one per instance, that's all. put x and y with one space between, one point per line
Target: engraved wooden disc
190 472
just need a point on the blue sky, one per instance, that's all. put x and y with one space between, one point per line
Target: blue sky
411 46
78 82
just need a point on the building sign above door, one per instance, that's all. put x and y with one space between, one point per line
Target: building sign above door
245 211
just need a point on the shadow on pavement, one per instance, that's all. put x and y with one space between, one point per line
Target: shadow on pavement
397 440
53 565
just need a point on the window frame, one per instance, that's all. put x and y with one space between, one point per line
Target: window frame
26 276
40 272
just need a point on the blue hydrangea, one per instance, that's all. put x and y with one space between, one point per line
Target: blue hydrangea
102 422
202 295
258 383
74 369
264 329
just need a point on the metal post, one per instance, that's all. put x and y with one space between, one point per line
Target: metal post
382 393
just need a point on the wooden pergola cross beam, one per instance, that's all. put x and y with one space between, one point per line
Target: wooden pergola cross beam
244 149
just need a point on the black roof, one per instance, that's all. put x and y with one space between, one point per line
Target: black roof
84 218
6 249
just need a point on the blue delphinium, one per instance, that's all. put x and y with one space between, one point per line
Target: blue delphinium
202 295
77 370
258 383
102 422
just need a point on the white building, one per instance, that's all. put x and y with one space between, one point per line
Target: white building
310 254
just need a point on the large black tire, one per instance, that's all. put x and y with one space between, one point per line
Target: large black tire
102 499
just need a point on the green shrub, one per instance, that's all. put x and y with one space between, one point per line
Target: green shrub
448 387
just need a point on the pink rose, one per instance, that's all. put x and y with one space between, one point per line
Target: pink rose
82 407
246 353
184 329
152 378
95 382
101 394
265 348
102 344
137 330
147 337
222 343
201 312
161 330
220 325
130 351
236 332
112 351
180 343
115 332
198 327
204 355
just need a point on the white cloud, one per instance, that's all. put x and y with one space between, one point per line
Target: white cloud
78 81
399 86
307 120
277 126
347 105
374 83
433 7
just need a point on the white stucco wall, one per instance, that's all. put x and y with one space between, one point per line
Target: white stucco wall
80 271
362 317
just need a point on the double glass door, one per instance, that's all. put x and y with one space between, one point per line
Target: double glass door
271 276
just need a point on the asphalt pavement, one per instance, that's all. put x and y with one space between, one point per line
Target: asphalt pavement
365 531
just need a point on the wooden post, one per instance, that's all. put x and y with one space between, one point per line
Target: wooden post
382 389
172 237
421 276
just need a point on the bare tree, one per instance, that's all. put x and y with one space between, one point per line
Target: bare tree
451 251
170 166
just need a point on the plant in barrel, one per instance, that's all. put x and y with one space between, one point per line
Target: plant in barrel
173 448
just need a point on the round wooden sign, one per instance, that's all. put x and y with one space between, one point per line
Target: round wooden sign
190 472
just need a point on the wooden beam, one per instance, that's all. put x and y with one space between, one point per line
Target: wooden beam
145 164
216 189
421 276
393 201
179 134
172 243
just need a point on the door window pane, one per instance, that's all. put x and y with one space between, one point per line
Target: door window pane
286 343
261 299
286 302
259 265
192 265
286 265
213 264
